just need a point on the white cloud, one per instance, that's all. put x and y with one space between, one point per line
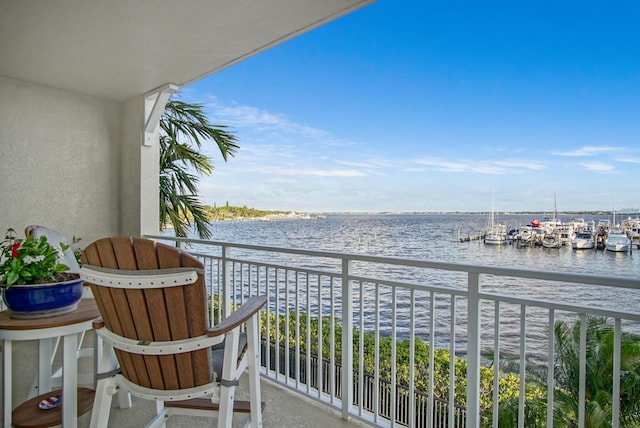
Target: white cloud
241 116
481 166
627 160
372 164
519 164
589 151
313 172
599 167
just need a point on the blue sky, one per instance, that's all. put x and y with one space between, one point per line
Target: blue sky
409 105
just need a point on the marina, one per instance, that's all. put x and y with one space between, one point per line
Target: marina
576 233
434 237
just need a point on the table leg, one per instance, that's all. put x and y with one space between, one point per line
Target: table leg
70 381
45 353
7 390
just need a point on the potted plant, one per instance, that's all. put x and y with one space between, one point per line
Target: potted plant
35 283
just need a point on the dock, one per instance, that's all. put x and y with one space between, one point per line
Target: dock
471 236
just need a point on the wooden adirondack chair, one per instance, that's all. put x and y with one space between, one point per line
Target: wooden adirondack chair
153 304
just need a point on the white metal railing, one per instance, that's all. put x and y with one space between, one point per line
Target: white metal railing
404 300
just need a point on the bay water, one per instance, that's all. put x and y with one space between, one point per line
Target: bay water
435 237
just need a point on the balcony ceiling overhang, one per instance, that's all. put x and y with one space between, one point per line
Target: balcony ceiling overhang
118 49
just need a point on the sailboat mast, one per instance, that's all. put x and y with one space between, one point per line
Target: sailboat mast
555 213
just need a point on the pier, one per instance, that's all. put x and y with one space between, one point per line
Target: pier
472 236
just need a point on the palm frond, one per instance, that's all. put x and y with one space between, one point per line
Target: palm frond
185 128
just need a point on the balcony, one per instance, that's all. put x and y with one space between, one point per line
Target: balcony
284 408
344 295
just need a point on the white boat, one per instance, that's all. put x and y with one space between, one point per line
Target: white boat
617 242
529 235
550 223
583 241
632 227
577 224
551 240
552 229
523 238
497 233
567 233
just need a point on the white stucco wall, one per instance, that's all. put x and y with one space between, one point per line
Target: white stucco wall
139 197
59 161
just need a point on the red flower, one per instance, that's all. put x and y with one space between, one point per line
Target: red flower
14 250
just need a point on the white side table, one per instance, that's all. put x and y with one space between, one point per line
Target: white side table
67 326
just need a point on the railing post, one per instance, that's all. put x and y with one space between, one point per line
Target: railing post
473 352
226 283
347 339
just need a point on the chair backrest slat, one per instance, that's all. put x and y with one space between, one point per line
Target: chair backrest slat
197 319
158 314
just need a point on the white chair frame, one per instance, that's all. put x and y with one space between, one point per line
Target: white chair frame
228 331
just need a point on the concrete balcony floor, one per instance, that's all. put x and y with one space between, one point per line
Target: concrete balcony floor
284 408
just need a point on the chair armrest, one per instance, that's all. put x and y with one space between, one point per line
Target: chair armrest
240 316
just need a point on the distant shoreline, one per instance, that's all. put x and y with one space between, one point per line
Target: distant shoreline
323 215
230 212
575 213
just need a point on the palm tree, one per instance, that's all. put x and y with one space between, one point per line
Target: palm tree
184 128
598 385
599 374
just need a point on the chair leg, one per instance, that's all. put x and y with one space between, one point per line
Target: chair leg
124 399
162 413
225 413
254 372
105 361
228 378
102 402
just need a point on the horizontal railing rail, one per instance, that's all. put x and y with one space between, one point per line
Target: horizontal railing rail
374 315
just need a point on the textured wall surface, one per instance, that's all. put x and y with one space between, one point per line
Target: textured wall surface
60 161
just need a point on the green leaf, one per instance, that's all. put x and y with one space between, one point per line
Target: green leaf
11 278
61 268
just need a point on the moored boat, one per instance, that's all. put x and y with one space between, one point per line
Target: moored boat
617 241
567 233
530 235
552 228
577 224
497 233
551 240
583 241
632 227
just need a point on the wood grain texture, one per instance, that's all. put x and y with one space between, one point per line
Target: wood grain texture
161 314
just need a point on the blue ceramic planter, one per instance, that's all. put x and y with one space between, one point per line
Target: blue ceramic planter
43 300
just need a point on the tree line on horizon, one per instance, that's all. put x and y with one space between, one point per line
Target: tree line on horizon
230 212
